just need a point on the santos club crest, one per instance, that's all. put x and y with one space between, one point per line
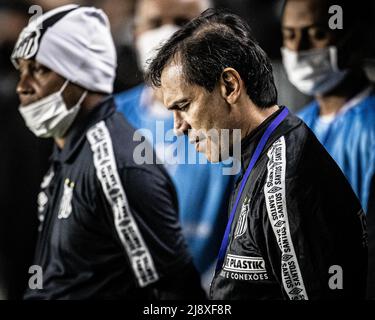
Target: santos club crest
241 226
66 200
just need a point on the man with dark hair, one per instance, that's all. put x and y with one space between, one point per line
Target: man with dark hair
108 226
328 64
294 222
202 189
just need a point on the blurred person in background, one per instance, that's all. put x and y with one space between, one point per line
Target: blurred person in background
202 189
120 14
97 238
328 64
24 159
263 17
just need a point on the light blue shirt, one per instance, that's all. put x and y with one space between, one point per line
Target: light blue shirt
350 140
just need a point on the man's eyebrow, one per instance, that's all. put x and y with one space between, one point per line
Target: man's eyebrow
39 65
312 25
175 105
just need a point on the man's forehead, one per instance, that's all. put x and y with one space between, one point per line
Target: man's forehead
173 84
25 62
171 8
172 70
302 13
28 62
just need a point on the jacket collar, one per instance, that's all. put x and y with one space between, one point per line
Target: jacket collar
77 133
250 142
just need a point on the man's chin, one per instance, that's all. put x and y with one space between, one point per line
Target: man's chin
212 160
213 154
213 157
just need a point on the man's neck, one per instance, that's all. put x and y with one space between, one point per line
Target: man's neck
90 103
332 102
255 117
250 118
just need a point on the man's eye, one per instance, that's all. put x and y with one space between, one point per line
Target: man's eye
318 33
185 107
288 34
39 70
155 23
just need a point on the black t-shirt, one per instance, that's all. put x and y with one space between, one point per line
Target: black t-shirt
108 226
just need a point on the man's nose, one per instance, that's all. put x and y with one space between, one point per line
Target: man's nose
302 41
23 86
181 127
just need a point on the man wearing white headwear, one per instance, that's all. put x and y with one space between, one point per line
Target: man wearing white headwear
98 237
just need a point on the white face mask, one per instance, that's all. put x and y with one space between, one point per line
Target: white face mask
149 41
49 117
313 72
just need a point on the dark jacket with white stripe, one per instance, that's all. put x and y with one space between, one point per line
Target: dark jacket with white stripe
299 230
109 226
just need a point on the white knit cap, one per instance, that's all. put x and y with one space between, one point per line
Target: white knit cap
75 42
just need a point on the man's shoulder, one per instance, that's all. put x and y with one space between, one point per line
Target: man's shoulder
365 112
113 136
113 141
294 132
298 144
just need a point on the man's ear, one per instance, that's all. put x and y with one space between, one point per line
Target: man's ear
230 85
